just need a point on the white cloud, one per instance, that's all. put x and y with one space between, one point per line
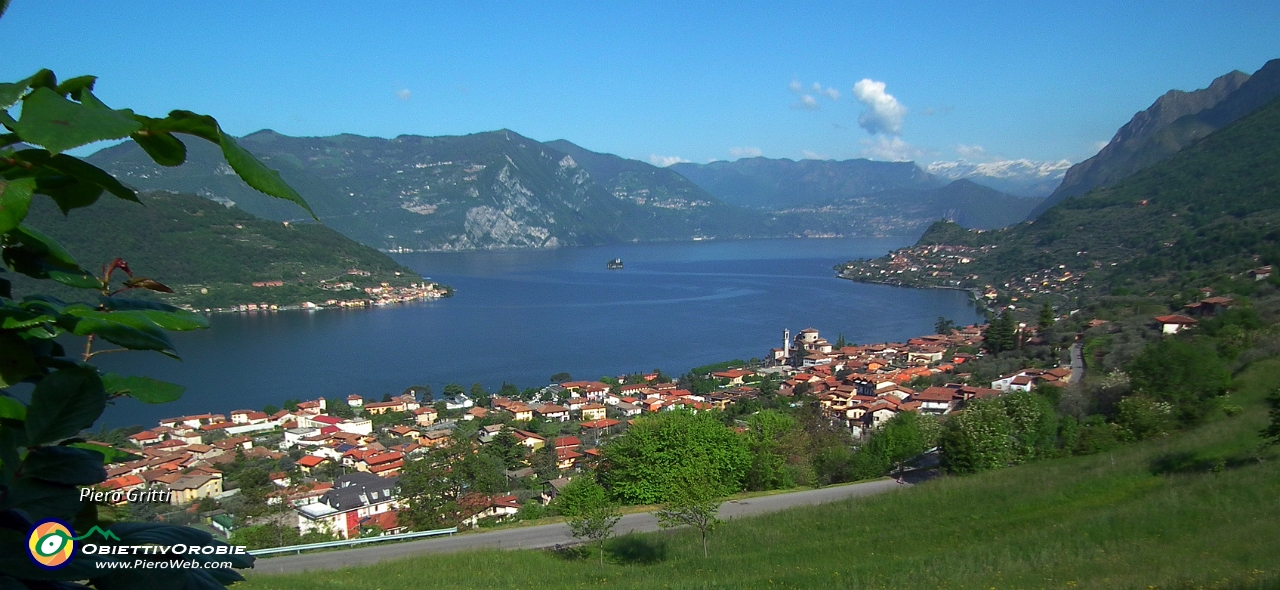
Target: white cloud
889 148
884 113
664 161
795 86
1098 145
807 103
808 155
745 152
972 152
832 93
404 94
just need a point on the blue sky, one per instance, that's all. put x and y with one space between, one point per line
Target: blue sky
657 81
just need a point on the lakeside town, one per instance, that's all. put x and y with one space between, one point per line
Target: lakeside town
347 294
332 465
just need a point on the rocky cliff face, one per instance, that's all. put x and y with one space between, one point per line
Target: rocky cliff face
1174 121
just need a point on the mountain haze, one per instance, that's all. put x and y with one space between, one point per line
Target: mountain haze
767 183
1174 121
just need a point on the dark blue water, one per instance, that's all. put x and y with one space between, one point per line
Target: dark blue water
522 316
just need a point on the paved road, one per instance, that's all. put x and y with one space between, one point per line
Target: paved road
1077 363
549 535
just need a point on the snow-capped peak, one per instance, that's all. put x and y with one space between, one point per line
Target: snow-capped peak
999 169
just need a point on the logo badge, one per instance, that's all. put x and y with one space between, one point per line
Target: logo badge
51 544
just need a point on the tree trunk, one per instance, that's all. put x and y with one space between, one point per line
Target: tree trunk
704 543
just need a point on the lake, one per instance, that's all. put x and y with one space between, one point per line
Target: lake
521 316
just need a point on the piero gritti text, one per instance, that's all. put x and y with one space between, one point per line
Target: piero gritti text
118 496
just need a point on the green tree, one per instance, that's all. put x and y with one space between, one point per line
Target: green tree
1000 334
561 377
944 325
507 448
430 489
1188 375
1272 432
1143 417
478 394
775 441
1033 425
270 409
453 390
338 408
592 515
642 465
42 462
545 462
904 436
480 472
977 438
1045 319
693 501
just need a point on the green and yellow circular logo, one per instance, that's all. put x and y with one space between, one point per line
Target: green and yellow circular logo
51 544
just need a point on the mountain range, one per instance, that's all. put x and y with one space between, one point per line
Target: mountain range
498 189
1174 121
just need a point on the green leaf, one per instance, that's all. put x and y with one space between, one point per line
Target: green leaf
65 402
20 319
75 86
11 93
15 198
164 315
66 465
109 454
79 171
187 122
148 284
58 124
16 361
41 499
34 254
258 175
128 329
143 389
163 147
12 409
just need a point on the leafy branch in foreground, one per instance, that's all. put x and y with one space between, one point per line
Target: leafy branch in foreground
43 460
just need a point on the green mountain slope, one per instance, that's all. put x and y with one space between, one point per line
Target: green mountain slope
1173 122
1208 210
211 254
480 191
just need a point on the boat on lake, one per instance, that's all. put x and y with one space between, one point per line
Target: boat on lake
615 263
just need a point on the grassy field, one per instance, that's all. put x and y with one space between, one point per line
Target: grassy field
1194 510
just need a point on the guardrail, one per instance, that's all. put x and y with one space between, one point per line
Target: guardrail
352 542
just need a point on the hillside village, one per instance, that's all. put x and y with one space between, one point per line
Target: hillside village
336 462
